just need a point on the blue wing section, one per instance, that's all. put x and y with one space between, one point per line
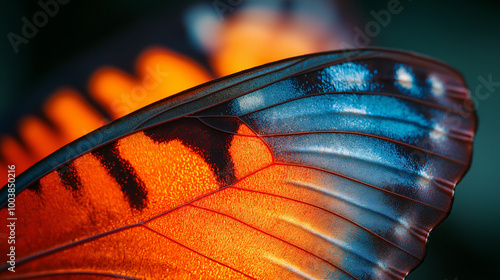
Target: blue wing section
389 136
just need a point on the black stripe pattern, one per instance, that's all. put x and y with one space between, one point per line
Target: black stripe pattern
211 144
69 178
125 175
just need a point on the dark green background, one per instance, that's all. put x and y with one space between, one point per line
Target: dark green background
465 34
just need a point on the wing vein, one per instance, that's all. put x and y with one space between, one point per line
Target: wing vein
335 214
192 250
360 182
398 96
280 239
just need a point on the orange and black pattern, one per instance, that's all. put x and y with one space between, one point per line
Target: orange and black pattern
328 166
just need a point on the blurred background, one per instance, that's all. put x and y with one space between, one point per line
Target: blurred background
83 35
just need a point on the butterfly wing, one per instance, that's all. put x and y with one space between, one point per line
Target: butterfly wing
327 166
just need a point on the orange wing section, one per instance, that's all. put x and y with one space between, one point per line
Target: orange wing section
190 223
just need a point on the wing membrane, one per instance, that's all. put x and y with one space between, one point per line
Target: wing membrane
333 165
